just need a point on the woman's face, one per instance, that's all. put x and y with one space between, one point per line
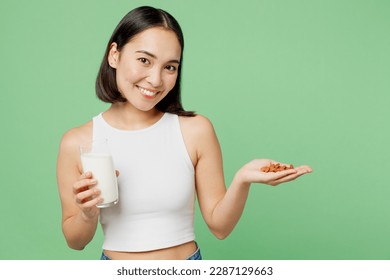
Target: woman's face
146 67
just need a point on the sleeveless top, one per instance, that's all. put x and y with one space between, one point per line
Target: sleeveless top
156 187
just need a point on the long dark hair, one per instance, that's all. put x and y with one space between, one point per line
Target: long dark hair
133 23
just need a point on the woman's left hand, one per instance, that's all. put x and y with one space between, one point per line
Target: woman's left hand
251 173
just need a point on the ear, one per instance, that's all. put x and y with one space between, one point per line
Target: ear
113 55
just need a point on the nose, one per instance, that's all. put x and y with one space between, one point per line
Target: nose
154 77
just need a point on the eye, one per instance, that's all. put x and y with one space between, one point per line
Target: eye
171 68
144 60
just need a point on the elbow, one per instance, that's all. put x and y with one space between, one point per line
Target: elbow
220 230
73 241
220 234
74 245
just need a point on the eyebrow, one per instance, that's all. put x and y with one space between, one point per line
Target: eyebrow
155 57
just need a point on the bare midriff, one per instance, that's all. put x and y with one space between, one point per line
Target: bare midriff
180 252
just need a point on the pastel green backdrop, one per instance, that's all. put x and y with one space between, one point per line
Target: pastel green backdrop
302 82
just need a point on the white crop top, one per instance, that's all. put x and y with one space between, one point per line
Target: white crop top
156 187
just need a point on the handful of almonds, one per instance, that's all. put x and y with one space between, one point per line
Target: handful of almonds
276 167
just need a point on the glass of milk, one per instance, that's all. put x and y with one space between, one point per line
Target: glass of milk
96 158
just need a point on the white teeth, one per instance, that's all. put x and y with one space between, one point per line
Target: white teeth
147 92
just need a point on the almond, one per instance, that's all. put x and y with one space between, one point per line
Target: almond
275 167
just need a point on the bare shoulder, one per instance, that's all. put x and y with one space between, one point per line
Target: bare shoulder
75 136
68 161
197 126
199 137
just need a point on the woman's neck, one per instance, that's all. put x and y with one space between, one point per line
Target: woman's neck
126 117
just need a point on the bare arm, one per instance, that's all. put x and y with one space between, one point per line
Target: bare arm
79 211
221 207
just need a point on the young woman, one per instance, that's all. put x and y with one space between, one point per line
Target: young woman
164 155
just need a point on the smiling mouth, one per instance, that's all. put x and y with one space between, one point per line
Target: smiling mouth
147 92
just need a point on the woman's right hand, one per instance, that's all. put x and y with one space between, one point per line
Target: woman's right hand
87 196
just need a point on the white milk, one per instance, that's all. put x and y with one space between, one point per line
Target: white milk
102 168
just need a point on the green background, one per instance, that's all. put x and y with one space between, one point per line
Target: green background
302 82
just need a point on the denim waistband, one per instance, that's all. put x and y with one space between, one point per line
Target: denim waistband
196 256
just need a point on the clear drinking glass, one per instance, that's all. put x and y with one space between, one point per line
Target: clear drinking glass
96 158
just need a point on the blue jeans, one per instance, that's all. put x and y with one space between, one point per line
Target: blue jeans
196 256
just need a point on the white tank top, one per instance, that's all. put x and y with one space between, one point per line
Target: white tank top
156 187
